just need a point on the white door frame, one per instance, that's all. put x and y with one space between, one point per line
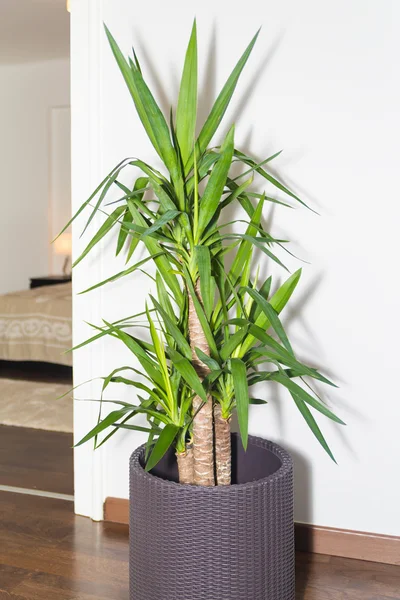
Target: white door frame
86 58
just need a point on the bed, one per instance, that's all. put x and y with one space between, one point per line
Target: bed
36 325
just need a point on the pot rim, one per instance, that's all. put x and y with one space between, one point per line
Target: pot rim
281 453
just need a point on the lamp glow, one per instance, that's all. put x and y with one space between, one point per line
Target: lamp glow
63 247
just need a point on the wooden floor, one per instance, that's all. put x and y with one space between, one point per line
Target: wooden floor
36 459
33 458
46 552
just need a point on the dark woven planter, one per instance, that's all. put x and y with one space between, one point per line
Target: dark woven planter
220 543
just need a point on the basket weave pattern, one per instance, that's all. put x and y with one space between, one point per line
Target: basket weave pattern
220 543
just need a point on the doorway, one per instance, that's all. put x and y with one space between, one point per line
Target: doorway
35 284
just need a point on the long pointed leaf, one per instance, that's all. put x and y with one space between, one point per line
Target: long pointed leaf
104 229
121 273
161 446
272 317
239 375
186 369
94 194
187 102
311 422
111 418
206 288
306 397
278 302
221 104
232 343
173 330
216 183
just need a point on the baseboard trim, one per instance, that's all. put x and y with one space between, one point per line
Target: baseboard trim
116 510
309 538
349 544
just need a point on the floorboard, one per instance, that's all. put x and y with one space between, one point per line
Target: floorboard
36 459
46 552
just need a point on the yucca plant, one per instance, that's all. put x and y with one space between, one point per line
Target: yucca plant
209 325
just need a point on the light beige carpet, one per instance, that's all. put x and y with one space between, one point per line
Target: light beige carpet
34 404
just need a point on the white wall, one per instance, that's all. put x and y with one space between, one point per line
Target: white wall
322 84
28 92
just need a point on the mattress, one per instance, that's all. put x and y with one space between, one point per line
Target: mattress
36 325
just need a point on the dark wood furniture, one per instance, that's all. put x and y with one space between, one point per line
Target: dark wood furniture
48 280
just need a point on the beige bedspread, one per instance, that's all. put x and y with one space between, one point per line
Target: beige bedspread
37 324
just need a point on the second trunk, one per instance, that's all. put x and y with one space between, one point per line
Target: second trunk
203 434
223 460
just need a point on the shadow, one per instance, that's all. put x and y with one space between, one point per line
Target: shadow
255 80
295 308
303 513
312 201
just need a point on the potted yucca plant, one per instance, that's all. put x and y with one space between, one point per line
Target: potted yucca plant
211 511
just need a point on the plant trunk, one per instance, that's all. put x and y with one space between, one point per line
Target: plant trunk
223 451
203 430
185 465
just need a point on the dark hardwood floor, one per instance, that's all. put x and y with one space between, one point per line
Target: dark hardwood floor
46 552
36 459
33 458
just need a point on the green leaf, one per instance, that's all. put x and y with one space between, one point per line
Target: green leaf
216 183
104 229
305 396
252 163
201 315
161 446
258 165
237 190
311 422
186 369
122 323
232 343
187 102
272 317
159 349
161 261
173 330
139 188
280 354
284 293
131 82
204 164
204 265
239 375
207 360
94 194
111 418
152 368
163 297
136 427
257 401
278 302
122 273
166 218
255 241
123 230
137 385
245 248
264 292
221 104
113 432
